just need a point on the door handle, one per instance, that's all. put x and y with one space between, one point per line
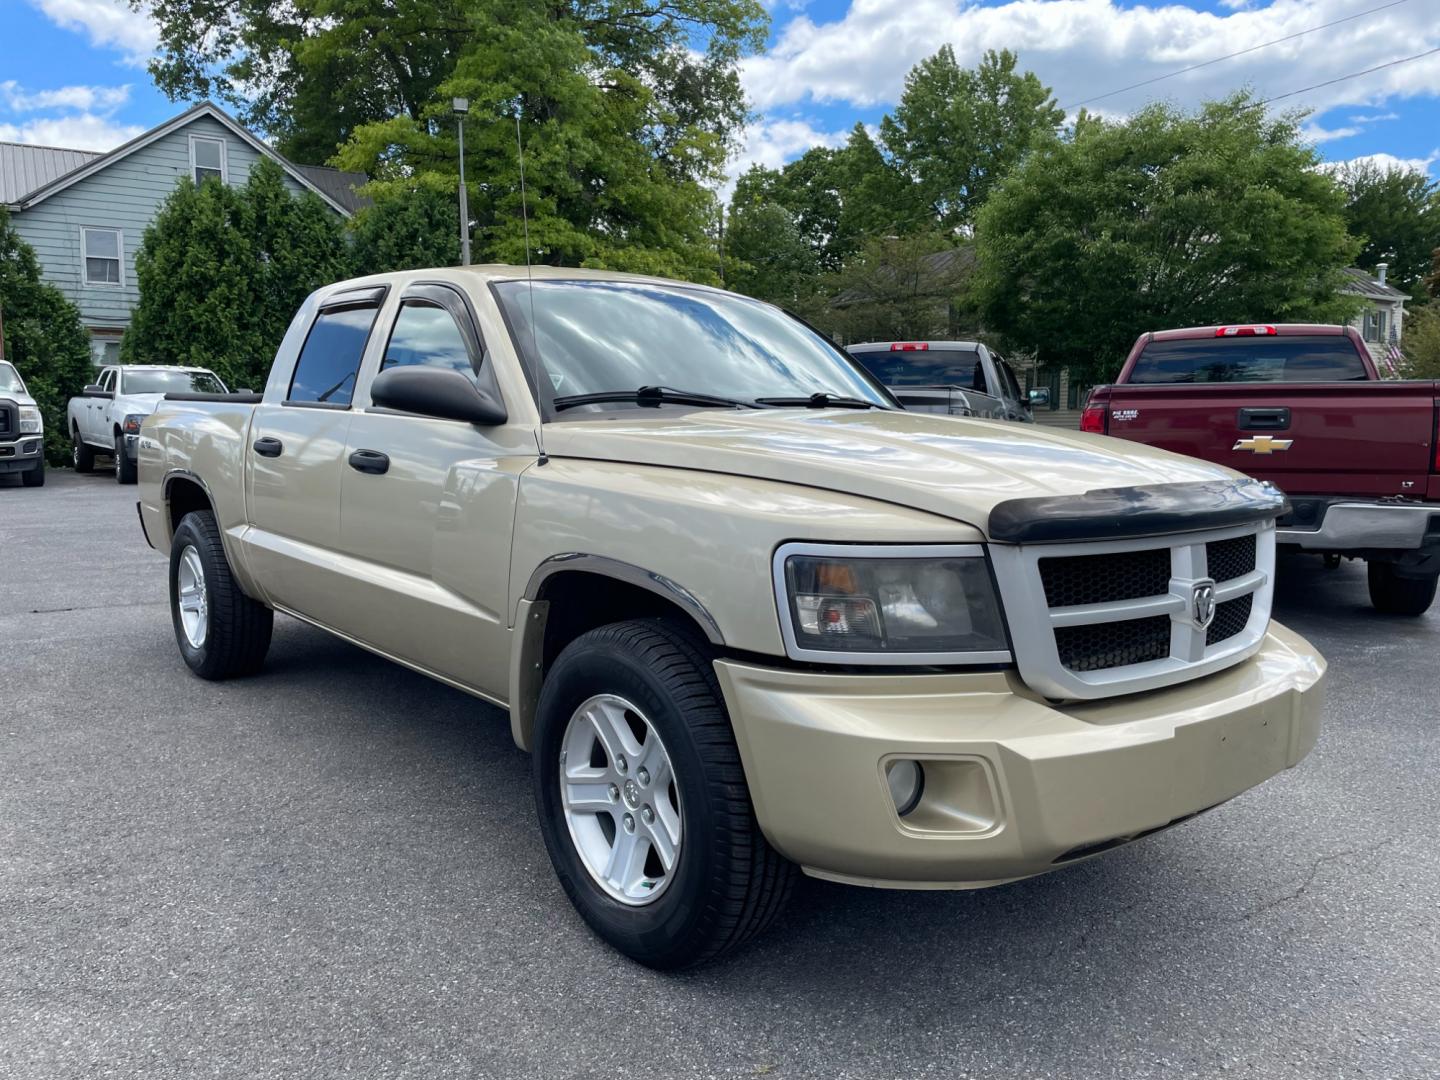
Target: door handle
1275 419
268 446
370 461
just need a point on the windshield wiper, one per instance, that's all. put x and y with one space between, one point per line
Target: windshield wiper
819 401
650 396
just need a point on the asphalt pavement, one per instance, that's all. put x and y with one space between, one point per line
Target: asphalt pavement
333 869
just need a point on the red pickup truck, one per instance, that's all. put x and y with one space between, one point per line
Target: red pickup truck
1303 407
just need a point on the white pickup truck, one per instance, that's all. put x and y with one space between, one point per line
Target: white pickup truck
106 417
22 430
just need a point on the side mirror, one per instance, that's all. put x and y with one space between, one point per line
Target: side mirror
439 392
1039 396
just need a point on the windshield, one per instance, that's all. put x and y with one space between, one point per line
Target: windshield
173 381
10 380
925 367
602 336
1293 358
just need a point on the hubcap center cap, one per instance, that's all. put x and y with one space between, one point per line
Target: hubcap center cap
632 794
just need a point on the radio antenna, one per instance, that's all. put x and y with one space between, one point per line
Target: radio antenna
525 221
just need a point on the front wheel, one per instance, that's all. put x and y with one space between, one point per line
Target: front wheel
1392 594
124 468
221 631
642 799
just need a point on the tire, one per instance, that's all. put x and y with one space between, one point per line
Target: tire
727 884
34 477
1392 594
229 634
82 456
125 470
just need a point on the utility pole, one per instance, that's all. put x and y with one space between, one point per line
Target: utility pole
461 106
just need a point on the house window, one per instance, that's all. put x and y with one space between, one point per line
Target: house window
101 251
207 158
104 350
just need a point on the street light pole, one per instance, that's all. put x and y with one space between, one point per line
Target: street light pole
461 106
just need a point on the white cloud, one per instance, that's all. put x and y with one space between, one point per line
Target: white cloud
83 132
1376 119
107 23
773 142
1388 162
1087 47
1314 133
105 99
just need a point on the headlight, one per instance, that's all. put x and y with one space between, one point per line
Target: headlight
133 422
30 422
889 605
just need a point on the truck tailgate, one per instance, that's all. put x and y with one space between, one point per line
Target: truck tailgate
1350 438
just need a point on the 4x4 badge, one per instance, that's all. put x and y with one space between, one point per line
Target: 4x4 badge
1262 444
1202 604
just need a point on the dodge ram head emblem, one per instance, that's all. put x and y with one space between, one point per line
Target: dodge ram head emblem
1262 444
1202 604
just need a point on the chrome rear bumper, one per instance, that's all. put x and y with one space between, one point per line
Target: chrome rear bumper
1348 526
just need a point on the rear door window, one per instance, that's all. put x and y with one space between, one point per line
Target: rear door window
932 367
1260 359
330 358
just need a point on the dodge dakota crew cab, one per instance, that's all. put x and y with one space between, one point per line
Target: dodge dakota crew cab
106 417
1301 406
745 613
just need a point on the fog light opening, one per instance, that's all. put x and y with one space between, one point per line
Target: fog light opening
907 784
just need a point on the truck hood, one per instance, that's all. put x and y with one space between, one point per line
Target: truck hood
958 468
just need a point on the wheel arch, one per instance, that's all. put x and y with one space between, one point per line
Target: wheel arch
569 595
183 493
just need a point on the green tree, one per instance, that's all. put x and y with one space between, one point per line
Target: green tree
629 109
768 258
1166 219
898 287
407 230
1396 215
1421 344
43 337
957 132
222 270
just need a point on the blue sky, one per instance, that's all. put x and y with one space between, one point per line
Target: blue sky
72 71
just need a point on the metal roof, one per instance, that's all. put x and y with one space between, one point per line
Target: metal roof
343 187
1363 283
23 167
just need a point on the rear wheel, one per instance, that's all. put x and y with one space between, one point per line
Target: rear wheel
1392 594
36 476
221 631
81 455
124 467
642 799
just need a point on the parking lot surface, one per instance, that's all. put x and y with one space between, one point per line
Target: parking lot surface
333 869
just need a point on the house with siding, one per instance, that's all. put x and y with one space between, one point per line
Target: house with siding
1381 320
85 213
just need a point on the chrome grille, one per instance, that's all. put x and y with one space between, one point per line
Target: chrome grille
1099 618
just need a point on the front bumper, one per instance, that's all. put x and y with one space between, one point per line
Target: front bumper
1352 526
1015 785
22 455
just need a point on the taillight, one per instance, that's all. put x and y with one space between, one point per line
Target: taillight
909 346
1092 417
1242 331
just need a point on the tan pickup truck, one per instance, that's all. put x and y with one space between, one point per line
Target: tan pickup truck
746 614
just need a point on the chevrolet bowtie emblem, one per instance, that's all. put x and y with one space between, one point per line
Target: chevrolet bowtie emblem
1262 444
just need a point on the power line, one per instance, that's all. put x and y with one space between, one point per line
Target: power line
1352 75
1242 52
